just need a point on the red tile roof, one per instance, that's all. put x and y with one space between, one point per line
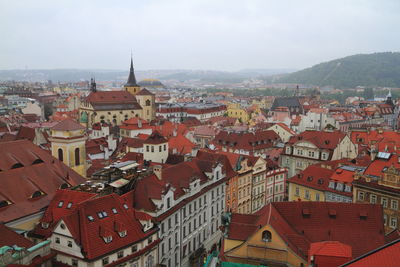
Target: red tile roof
144 91
110 97
26 169
299 230
155 138
55 211
246 141
89 234
67 125
181 144
378 165
387 256
321 139
8 237
329 253
26 133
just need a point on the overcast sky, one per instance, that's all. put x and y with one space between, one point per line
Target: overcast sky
192 34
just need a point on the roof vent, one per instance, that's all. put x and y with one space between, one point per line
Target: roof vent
363 215
17 165
332 213
306 213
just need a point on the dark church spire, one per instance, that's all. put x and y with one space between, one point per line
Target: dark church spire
93 85
131 79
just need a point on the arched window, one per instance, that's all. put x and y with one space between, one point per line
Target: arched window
60 154
266 236
77 157
148 102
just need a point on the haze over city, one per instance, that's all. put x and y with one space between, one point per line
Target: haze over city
207 34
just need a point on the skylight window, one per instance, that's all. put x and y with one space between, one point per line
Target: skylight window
60 204
114 210
100 215
90 218
105 214
126 206
69 205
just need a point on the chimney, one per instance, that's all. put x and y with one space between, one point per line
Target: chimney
157 171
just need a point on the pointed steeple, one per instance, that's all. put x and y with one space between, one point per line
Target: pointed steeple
389 98
93 85
131 79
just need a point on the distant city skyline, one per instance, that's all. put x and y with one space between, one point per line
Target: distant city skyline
199 34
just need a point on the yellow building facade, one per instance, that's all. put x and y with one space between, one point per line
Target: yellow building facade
68 145
236 111
304 193
257 250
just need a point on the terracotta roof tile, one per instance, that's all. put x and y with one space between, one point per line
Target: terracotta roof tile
67 125
27 169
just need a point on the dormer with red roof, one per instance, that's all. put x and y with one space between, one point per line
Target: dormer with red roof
103 231
135 126
311 147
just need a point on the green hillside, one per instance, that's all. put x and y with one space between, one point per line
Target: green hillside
378 69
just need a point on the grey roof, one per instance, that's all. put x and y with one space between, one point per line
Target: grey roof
286 102
131 79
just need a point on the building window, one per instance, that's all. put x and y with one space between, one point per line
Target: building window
297 191
70 244
105 261
147 149
395 204
307 194
107 239
60 154
152 148
57 240
384 202
77 157
266 236
122 233
360 196
74 262
373 199
134 248
317 197
393 222
159 148
120 254
168 203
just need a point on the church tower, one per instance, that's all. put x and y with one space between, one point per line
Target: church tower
68 145
131 86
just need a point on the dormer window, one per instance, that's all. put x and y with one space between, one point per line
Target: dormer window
266 236
45 225
107 239
122 233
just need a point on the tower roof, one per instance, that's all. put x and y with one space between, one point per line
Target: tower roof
67 125
131 79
